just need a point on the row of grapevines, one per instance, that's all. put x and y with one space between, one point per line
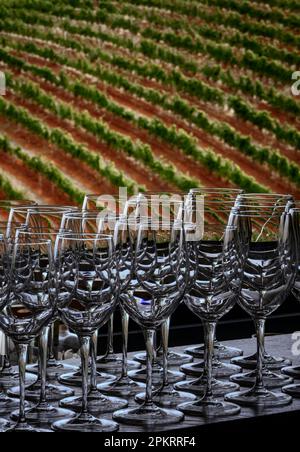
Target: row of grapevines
182 108
180 139
228 19
219 52
63 141
253 88
233 38
294 5
42 167
117 141
246 8
262 119
9 191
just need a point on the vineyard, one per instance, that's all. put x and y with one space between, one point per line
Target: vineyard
148 95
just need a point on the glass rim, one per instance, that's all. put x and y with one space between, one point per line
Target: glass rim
85 236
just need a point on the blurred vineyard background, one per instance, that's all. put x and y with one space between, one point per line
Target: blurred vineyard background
148 94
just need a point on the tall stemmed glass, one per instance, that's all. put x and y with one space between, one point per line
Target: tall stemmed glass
217 260
45 220
268 277
271 362
159 262
112 206
216 211
120 226
228 196
8 374
294 371
89 222
43 412
294 390
88 288
165 206
44 217
29 305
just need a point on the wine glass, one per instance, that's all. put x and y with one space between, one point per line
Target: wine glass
28 305
271 362
8 374
90 222
112 206
294 390
159 263
43 412
268 277
88 290
45 220
228 197
166 206
44 217
217 258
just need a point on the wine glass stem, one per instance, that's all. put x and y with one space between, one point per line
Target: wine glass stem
43 351
149 339
260 334
125 321
110 334
51 342
22 357
85 344
165 343
93 361
209 336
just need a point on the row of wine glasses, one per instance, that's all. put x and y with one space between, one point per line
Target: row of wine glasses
211 249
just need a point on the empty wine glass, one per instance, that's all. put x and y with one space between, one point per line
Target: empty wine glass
28 305
217 258
294 390
43 412
91 222
88 289
112 206
268 277
44 217
8 374
250 361
159 263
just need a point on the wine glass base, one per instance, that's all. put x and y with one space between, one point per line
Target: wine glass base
271 362
292 390
220 370
10 377
43 414
157 376
75 378
114 363
54 370
4 425
174 358
221 352
123 387
198 387
98 403
167 397
32 393
148 416
27 428
7 404
209 408
292 371
85 424
271 379
259 398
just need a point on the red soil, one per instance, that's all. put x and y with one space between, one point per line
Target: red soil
37 185
81 175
